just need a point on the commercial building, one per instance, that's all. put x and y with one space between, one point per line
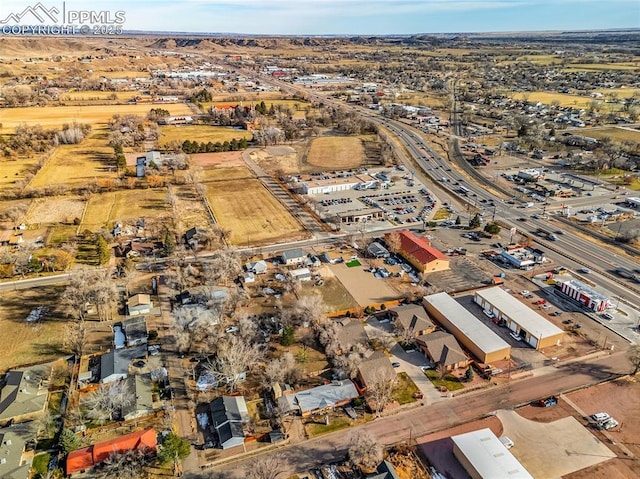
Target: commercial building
584 295
520 318
475 336
417 250
483 456
330 185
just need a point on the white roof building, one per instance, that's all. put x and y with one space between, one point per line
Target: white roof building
520 318
484 457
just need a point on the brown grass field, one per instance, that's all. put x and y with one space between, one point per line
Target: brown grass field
96 96
191 209
336 152
252 214
55 117
227 158
620 134
563 99
106 208
59 209
223 173
86 162
601 66
24 342
12 170
621 92
201 133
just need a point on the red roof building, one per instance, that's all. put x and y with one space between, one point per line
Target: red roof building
87 457
418 251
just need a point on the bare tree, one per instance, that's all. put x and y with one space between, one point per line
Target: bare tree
393 241
233 358
285 369
380 389
405 335
128 465
75 337
309 309
106 402
364 451
267 467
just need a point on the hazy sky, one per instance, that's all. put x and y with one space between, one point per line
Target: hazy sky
358 16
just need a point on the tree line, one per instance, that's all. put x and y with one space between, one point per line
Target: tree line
235 144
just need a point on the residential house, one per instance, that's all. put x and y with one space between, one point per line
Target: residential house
417 250
191 236
139 304
256 267
16 451
248 277
229 415
350 333
319 399
139 387
114 365
293 257
135 331
412 317
442 349
375 368
376 250
24 394
84 459
384 471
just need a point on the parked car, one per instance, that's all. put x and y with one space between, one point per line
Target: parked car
556 313
524 292
515 336
610 424
395 365
599 417
567 321
608 316
548 402
540 301
488 314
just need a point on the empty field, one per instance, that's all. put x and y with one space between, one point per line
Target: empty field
621 92
14 170
223 173
55 210
252 214
563 99
336 152
86 162
620 134
106 96
227 158
201 133
601 66
104 209
55 117
191 208
29 342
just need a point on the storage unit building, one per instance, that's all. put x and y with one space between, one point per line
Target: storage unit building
483 343
584 295
520 318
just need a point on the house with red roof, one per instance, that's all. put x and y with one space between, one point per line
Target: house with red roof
417 250
87 457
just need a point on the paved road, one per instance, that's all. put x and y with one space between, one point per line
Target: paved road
34 282
430 418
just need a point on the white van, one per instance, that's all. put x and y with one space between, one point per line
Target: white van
506 442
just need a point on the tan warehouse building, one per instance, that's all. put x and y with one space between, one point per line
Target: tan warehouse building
483 343
520 318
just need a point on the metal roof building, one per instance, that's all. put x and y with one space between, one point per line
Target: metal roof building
520 318
485 345
484 457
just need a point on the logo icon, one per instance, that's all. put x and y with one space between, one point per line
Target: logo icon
39 11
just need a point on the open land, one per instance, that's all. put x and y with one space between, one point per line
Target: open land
105 208
61 209
336 152
252 214
563 99
615 133
201 133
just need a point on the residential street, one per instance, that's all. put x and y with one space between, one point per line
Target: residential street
430 418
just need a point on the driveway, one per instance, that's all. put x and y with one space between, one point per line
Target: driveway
409 362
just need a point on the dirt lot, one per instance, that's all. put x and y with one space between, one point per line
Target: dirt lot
365 288
336 152
273 159
252 214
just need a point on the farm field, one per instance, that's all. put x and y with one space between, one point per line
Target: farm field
227 158
223 173
620 92
90 160
13 170
55 117
601 66
106 96
27 342
191 209
106 208
250 212
620 134
563 99
336 152
200 133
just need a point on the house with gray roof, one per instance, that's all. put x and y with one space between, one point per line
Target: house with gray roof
114 365
135 331
256 267
376 250
24 394
229 414
293 257
319 399
14 442
139 386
